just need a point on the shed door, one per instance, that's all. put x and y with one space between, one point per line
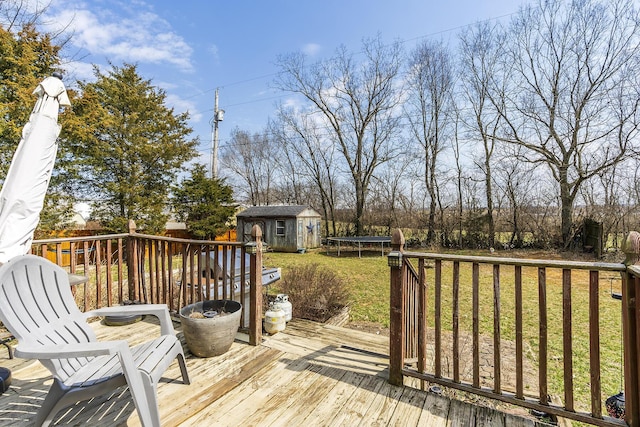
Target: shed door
300 233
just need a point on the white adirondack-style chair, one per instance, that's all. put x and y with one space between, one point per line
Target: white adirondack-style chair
38 308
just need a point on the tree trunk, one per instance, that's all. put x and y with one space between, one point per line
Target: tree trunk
359 208
489 196
567 219
566 208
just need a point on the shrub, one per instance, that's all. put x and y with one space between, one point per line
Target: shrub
315 292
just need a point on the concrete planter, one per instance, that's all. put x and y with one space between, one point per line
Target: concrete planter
213 334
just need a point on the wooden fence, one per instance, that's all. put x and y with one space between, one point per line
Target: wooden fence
492 353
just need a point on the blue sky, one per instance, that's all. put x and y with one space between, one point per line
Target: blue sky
190 48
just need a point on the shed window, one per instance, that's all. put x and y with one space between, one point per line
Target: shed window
279 227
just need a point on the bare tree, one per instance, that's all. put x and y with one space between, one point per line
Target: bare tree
389 196
457 154
312 157
514 181
15 14
480 51
357 102
566 66
250 158
430 111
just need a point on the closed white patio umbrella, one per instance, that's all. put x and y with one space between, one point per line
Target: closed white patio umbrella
26 183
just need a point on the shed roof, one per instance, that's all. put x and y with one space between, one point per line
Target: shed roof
274 211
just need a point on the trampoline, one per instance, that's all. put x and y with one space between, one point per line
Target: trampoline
360 240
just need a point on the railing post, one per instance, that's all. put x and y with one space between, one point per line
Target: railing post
254 248
631 330
396 315
132 262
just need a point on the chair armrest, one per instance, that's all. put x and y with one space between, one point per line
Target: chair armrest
90 349
161 311
100 348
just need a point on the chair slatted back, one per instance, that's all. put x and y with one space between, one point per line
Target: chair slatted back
38 308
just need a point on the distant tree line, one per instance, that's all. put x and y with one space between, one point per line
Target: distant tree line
510 136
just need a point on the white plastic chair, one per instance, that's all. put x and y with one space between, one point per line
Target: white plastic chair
38 308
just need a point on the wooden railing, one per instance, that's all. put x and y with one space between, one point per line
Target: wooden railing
130 268
500 328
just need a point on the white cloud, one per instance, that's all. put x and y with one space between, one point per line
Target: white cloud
135 35
213 50
292 102
183 105
77 70
311 49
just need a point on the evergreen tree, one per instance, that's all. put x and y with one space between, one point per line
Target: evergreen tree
129 147
26 58
206 205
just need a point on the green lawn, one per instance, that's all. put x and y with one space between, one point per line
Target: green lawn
367 279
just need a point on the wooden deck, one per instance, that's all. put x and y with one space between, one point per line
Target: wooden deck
310 374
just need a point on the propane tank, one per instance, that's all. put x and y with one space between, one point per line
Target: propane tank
282 300
274 319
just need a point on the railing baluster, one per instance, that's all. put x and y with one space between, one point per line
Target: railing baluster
153 271
85 262
438 318
109 274
594 344
225 272
98 267
132 264
475 303
217 273
192 282
120 270
208 276
72 257
245 276
567 343
497 378
59 253
456 321
147 265
519 337
422 319
171 283
159 273
542 336
164 273
186 292
199 262
232 274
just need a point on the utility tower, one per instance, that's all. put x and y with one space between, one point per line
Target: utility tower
218 116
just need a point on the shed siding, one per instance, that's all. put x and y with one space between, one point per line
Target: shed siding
302 230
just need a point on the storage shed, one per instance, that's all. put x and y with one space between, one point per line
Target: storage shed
284 228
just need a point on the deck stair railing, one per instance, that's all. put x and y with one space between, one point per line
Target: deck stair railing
464 322
132 267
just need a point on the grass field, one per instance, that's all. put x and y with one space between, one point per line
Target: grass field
368 281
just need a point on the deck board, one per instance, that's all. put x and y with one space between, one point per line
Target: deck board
334 402
309 375
436 411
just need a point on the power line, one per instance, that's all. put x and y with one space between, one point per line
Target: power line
271 75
